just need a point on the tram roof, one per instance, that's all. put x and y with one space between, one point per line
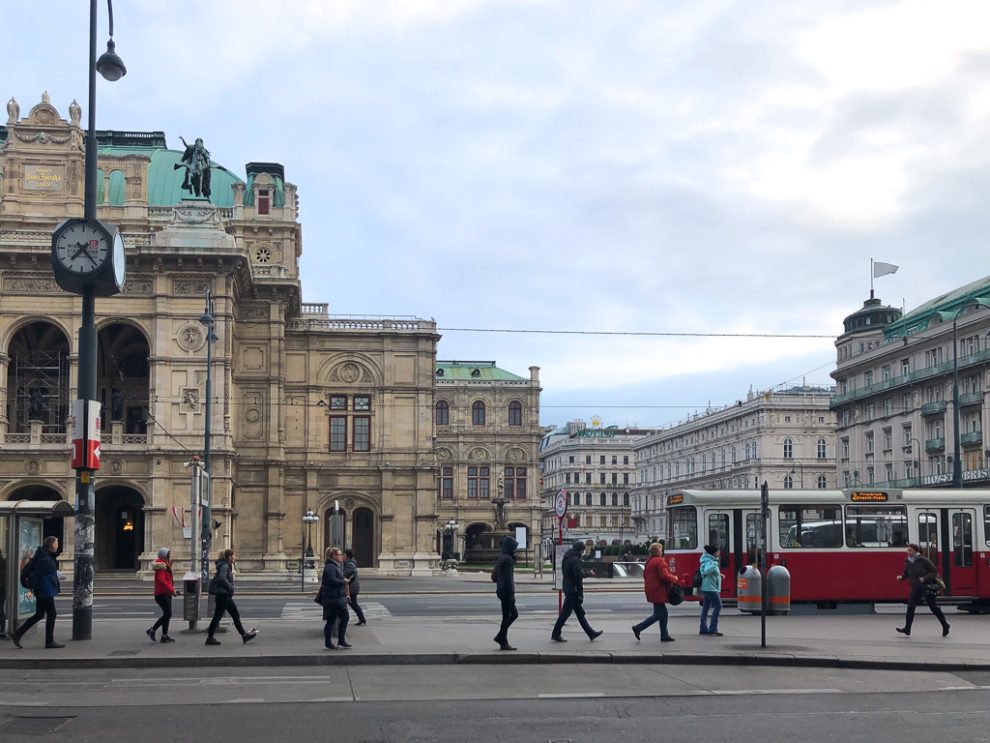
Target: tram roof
861 496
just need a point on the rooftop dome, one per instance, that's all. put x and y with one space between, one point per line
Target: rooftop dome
872 316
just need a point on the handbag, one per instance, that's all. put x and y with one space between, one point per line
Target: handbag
675 595
319 596
935 587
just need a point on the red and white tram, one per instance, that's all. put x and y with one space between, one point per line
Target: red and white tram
838 545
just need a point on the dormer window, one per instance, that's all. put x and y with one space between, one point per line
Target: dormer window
264 201
476 372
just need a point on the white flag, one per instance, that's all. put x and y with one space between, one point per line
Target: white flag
882 269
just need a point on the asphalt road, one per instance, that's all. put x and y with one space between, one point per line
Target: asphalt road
444 704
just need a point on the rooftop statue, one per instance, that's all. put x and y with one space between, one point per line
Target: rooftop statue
196 161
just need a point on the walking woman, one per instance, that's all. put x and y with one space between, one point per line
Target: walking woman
353 585
919 570
657 578
222 588
711 587
333 596
164 591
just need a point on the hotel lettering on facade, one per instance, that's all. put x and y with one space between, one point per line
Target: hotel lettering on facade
309 410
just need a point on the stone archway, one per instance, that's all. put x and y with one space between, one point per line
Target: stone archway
123 376
53 527
119 528
38 378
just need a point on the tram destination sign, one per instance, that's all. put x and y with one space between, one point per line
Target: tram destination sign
868 496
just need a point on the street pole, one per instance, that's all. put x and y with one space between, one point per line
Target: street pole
765 583
956 463
206 536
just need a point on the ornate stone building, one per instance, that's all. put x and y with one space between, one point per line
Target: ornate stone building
488 436
309 411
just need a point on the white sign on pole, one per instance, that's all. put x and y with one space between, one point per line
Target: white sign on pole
560 504
558 571
521 538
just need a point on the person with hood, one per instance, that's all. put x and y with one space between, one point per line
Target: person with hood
656 579
505 589
919 571
711 587
570 567
333 597
353 585
164 591
222 588
44 583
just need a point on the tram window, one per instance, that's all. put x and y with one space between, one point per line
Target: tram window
928 534
962 539
810 526
752 538
986 525
876 526
718 534
684 528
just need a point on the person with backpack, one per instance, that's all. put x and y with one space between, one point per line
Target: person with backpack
920 572
711 587
40 575
222 588
505 589
354 586
164 591
570 567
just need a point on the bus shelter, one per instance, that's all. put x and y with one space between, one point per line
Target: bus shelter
21 533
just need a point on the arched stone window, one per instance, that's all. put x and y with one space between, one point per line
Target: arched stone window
478 413
443 413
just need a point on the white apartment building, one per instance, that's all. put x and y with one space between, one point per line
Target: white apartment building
785 438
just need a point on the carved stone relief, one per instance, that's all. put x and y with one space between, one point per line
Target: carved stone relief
190 399
191 337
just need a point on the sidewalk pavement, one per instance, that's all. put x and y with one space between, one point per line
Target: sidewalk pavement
866 641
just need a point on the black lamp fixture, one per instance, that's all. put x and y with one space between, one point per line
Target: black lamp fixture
110 65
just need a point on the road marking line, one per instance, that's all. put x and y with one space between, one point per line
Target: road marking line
575 695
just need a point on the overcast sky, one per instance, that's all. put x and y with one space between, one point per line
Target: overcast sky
698 167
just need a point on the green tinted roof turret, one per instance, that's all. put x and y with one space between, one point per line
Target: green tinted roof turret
477 370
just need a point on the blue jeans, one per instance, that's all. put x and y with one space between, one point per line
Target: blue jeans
713 602
659 615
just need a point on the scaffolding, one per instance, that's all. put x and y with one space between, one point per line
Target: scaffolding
40 385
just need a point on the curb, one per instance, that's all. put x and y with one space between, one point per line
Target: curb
493 658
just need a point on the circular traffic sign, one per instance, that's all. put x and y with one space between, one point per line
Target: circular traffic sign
560 503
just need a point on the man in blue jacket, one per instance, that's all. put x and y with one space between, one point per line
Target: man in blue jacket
44 583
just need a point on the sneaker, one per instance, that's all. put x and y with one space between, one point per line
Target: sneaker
250 635
329 647
636 633
16 640
904 631
506 646
716 633
53 645
212 641
593 635
166 638
945 630
557 638
668 638
362 622
150 633
344 645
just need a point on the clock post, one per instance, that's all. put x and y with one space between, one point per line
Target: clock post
88 259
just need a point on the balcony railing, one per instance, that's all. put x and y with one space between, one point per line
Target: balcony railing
933 408
935 444
972 437
970 398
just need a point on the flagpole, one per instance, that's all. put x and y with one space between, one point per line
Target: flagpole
871 278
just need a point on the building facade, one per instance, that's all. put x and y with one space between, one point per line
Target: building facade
309 411
487 444
894 397
785 438
597 468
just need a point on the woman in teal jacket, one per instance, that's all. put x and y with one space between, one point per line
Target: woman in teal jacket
711 587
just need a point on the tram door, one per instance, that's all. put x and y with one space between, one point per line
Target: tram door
946 538
718 532
745 541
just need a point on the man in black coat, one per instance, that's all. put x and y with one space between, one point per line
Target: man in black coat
505 589
333 596
573 594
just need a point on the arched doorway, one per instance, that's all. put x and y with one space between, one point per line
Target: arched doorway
119 528
363 537
335 528
52 527
122 376
478 543
38 378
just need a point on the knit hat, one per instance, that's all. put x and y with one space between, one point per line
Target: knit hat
163 553
578 545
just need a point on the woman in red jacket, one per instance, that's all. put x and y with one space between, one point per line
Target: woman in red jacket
164 591
657 577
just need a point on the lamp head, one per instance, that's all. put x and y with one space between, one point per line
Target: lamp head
110 65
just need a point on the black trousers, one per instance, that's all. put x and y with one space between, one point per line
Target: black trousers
509 615
356 607
42 608
916 596
335 615
573 604
226 604
165 602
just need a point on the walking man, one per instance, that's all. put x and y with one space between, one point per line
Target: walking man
505 589
222 588
354 585
333 596
570 566
44 583
919 571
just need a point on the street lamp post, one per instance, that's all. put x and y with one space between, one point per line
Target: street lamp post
800 468
451 527
918 460
307 551
208 321
111 67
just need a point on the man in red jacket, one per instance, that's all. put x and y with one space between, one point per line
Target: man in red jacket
164 591
657 578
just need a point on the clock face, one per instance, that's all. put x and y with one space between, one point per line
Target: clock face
82 248
118 259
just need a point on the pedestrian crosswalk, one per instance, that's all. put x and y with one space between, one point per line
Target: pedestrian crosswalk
311 611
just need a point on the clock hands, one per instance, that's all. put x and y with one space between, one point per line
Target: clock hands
83 249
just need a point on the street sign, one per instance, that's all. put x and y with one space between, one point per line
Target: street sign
560 504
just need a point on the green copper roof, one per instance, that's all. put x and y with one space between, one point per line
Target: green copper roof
920 318
475 370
